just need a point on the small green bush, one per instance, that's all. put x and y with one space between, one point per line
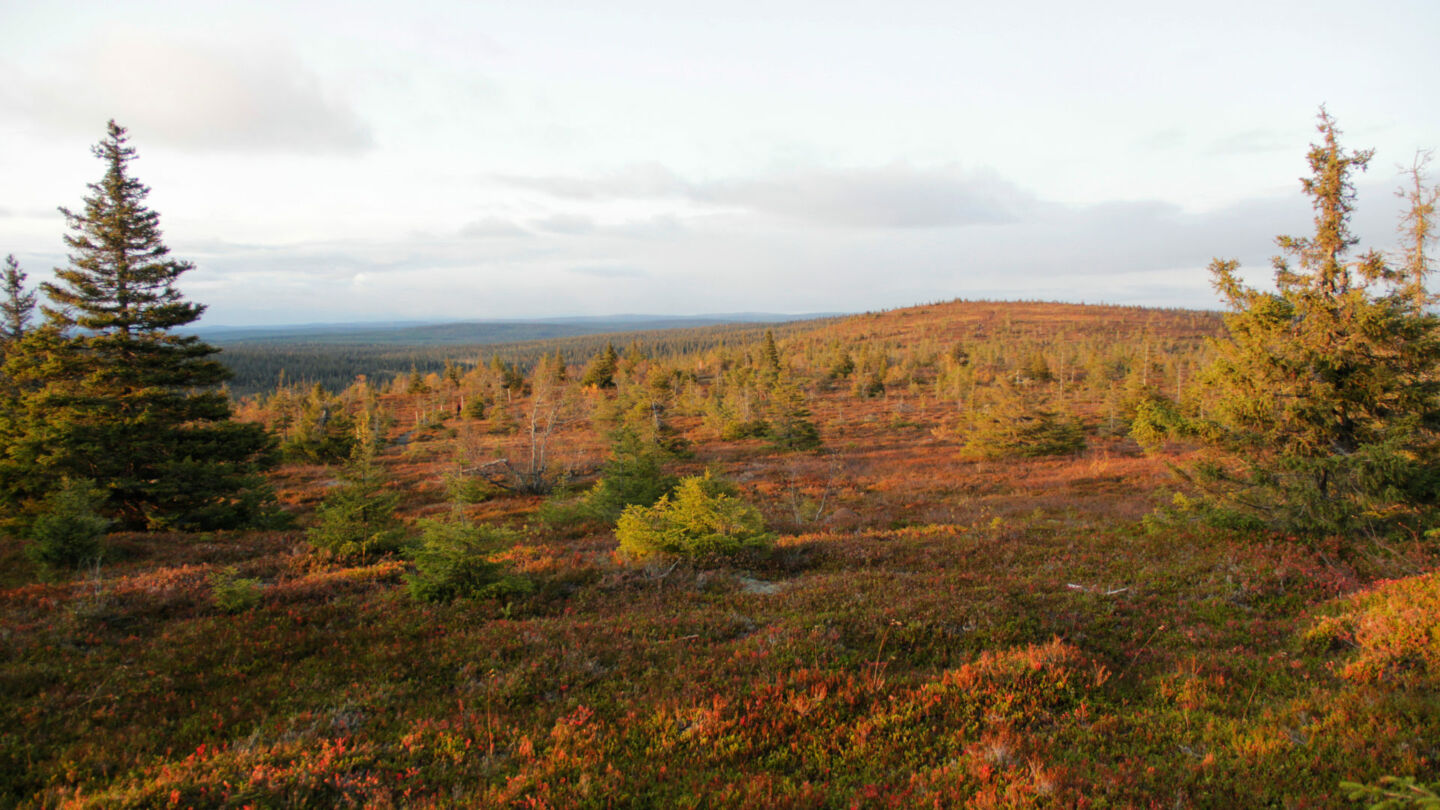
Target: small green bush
703 517
792 429
455 561
357 518
1015 423
233 593
69 531
748 429
634 476
797 433
1184 511
462 488
1158 420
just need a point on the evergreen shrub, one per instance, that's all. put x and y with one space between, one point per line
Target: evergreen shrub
357 518
69 531
704 517
455 560
233 593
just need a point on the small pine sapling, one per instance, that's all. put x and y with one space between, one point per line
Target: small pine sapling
703 518
69 530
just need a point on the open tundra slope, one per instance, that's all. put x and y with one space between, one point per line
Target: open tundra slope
935 625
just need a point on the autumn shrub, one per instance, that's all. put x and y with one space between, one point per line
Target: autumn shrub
703 517
68 532
233 593
1392 631
455 560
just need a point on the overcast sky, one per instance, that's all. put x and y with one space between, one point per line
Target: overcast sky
469 160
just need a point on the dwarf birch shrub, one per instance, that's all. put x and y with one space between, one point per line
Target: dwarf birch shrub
703 517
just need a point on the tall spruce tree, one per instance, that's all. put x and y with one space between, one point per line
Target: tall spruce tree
1325 396
17 304
108 392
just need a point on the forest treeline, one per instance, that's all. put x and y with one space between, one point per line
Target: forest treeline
336 360
261 365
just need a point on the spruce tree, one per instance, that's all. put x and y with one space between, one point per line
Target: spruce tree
1324 397
17 305
108 392
769 360
601 371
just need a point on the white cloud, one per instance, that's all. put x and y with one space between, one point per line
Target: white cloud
197 96
898 195
894 196
491 227
565 224
1251 142
610 271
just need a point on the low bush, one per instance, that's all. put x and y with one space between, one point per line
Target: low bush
1016 424
745 429
462 488
703 517
455 560
357 519
1391 633
233 593
69 531
633 476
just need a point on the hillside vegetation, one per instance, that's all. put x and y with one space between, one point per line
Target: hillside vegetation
965 554
936 613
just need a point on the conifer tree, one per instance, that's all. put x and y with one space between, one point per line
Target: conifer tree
1325 398
769 360
357 518
792 427
1417 228
17 305
601 371
108 392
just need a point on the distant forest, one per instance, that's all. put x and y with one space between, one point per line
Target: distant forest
263 360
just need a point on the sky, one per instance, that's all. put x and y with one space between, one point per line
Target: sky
361 161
